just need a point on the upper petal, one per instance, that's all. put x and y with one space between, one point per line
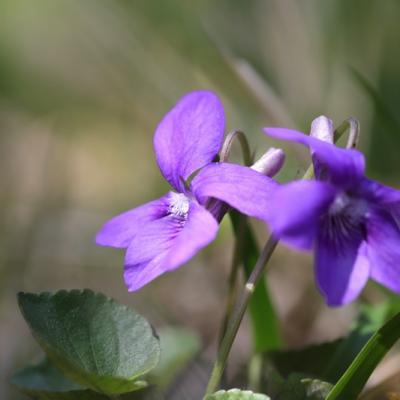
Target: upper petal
165 244
119 231
189 136
343 167
296 209
384 248
241 187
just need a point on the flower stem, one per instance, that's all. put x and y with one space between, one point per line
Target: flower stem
226 148
354 133
263 318
232 279
353 126
238 313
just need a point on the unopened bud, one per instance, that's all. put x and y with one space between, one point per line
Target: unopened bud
270 163
322 129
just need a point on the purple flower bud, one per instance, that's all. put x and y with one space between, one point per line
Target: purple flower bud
322 129
270 163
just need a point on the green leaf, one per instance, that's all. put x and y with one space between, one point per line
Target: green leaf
371 318
45 382
310 360
353 380
95 341
236 394
328 361
264 321
297 387
178 347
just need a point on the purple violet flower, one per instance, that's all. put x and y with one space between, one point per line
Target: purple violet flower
165 233
351 221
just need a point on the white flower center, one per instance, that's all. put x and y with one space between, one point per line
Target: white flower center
354 208
339 204
179 204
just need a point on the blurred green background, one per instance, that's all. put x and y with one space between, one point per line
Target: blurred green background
82 87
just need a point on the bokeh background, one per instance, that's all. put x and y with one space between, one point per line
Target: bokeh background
82 87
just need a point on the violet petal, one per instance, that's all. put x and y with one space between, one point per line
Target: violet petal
344 167
119 231
167 243
242 188
189 136
341 262
377 193
384 249
296 211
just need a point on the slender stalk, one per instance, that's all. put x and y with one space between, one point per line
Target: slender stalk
353 126
232 279
354 133
263 319
238 313
226 148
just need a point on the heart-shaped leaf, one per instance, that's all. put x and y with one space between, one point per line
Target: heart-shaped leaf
236 394
95 341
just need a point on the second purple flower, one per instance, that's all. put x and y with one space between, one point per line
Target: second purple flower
352 222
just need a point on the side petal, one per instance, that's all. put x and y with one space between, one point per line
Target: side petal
342 268
119 231
384 249
377 193
189 136
296 209
241 187
343 167
165 244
